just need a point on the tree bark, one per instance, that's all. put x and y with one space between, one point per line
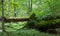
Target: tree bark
3 27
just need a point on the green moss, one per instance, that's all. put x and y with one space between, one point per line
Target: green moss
41 23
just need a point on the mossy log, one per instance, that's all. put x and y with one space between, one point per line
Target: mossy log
45 23
14 19
44 26
49 24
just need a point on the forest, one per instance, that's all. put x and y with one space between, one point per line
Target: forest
29 17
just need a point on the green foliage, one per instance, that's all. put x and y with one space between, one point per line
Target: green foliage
26 32
41 8
14 26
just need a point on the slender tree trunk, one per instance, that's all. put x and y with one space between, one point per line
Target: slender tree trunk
29 6
3 27
14 9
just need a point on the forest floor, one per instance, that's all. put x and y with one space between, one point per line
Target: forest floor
28 32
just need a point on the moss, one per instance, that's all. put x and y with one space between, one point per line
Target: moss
41 23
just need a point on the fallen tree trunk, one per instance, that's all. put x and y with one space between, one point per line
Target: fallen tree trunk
13 19
16 19
48 22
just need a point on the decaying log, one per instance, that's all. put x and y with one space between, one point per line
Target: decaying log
13 19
